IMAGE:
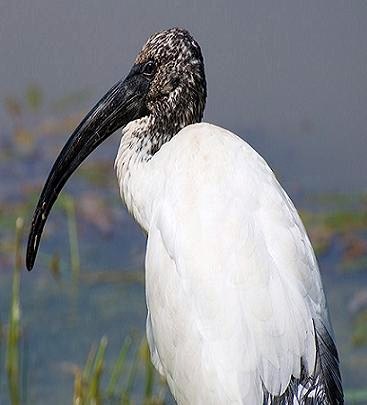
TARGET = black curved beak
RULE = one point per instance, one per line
(124, 102)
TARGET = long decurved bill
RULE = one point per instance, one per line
(123, 103)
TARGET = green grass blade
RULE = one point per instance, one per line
(1, 357)
(126, 393)
(118, 367)
(78, 398)
(149, 370)
(94, 392)
(69, 206)
(87, 371)
(25, 362)
(12, 352)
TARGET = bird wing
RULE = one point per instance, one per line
(235, 275)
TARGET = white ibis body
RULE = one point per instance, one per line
(236, 308)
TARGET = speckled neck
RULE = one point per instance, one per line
(142, 139)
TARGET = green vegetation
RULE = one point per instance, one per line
(359, 337)
(89, 389)
(13, 344)
(121, 379)
(336, 223)
(69, 206)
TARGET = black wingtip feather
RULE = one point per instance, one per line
(327, 365)
(323, 386)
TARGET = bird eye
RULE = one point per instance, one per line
(149, 68)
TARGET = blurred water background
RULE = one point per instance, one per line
(289, 77)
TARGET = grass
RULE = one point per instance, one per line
(118, 368)
(13, 361)
(88, 384)
(348, 225)
(97, 382)
(69, 206)
(130, 378)
(359, 336)
(94, 384)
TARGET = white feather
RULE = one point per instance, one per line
(232, 281)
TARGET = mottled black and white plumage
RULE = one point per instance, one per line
(177, 93)
(236, 308)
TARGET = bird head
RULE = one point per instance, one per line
(172, 61)
(166, 83)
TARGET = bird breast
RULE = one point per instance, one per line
(135, 171)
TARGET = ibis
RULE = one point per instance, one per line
(236, 311)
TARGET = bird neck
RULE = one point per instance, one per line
(151, 133)
(145, 136)
(139, 142)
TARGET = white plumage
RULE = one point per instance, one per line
(232, 282)
(236, 310)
